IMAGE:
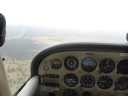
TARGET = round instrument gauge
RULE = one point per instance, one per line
(89, 64)
(122, 67)
(71, 80)
(71, 63)
(105, 82)
(121, 83)
(107, 65)
(87, 81)
(56, 64)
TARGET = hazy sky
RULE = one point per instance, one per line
(68, 14)
(78, 16)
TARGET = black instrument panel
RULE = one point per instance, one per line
(84, 72)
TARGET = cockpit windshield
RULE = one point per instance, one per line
(33, 25)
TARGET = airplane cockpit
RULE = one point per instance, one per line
(77, 69)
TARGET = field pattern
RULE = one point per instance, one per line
(17, 73)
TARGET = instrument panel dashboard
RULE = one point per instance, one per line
(85, 72)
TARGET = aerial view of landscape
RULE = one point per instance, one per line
(20, 48)
(23, 43)
(35, 25)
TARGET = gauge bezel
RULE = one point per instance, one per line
(102, 66)
(74, 76)
(122, 67)
(88, 77)
(106, 78)
(56, 66)
(67, 65)
(89, 68)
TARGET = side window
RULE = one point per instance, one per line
(18, 53)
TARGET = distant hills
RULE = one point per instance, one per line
(21, 48)
(20, 43)
(24, 42)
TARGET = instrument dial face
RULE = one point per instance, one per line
(87, 81)
(71, 80)
(122, 67)
(121, 83)
(71, 63)
(89, 64)
(105, 82)
(107, 65)
(56, 64)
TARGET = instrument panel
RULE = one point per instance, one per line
(84, 73)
